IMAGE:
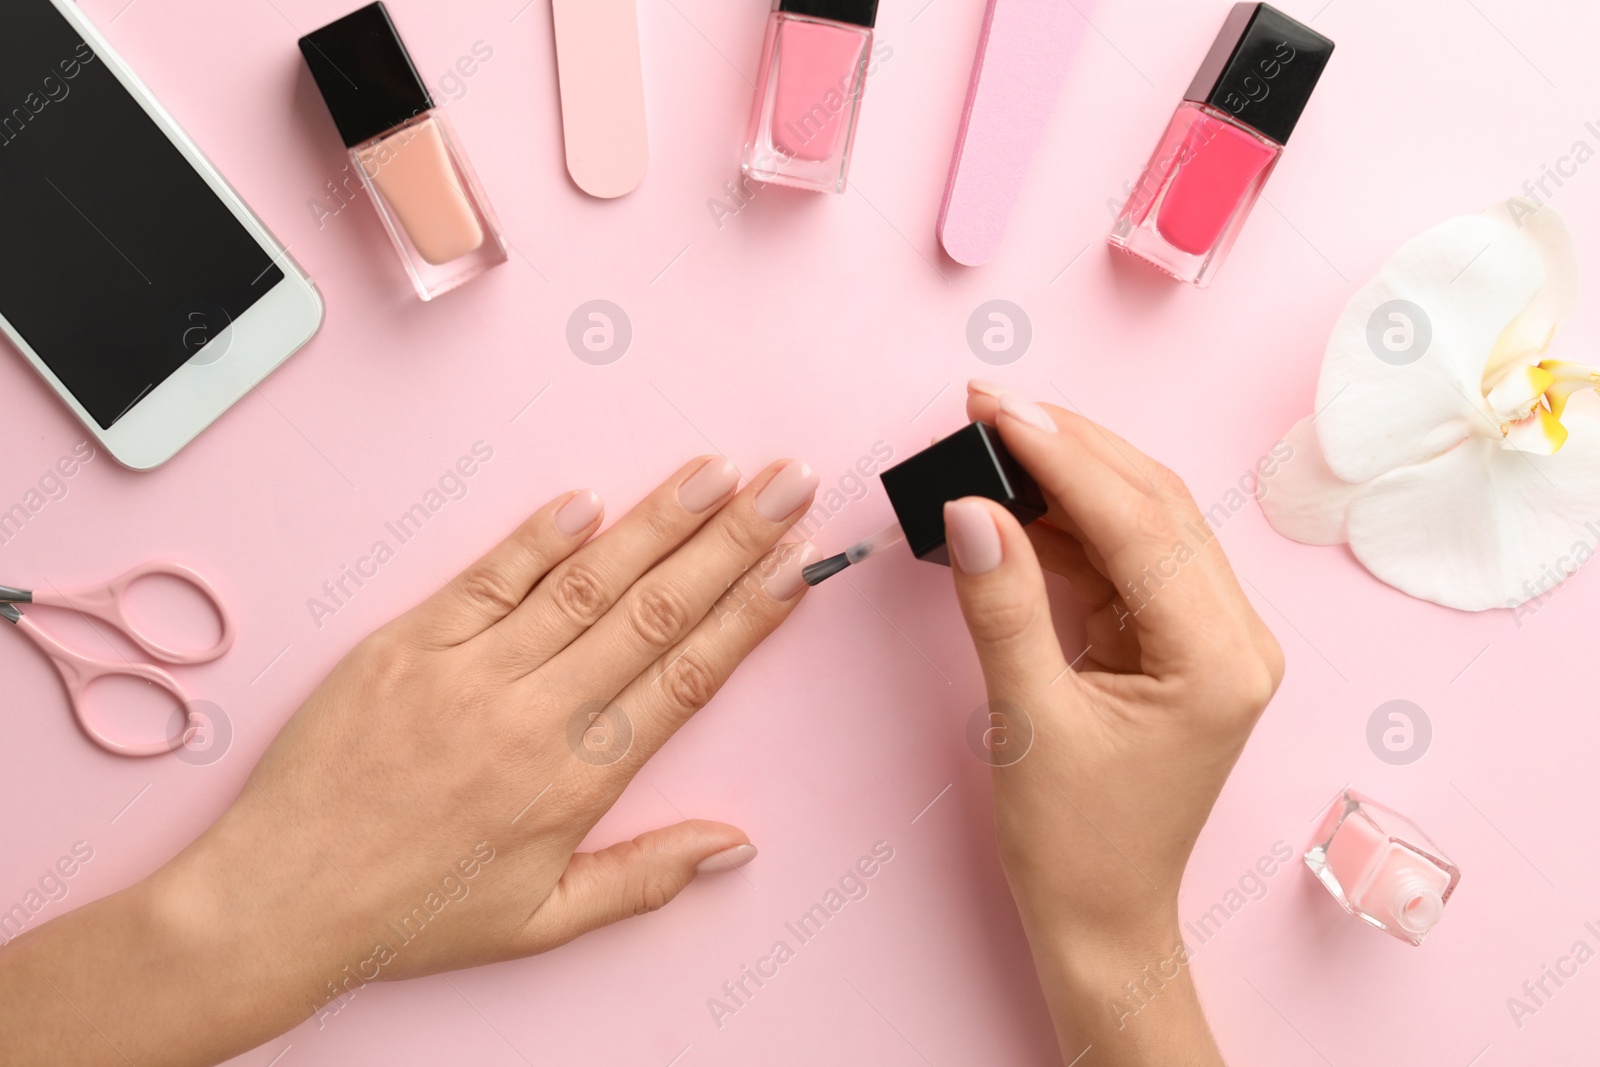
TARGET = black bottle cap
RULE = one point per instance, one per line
(859, 12)
(1262, 69)
(971, 462)
(365, 74)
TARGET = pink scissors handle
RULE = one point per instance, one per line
(108, 603)
(78, 672)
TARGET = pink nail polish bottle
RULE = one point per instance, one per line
(1222, 143)
(1381, 868)
(808, 93)
(409, 160)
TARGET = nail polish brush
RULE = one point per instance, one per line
(973, 461)
(822, 570)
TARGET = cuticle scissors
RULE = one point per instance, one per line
(107, 604)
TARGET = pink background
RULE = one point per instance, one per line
(816, 326)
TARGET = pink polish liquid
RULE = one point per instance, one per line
(1382, 868)
(415, 175)
(810, 58)
(1222, 144)
(1224, 170)
(813, 72)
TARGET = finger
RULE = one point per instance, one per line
(1002, 593)
(677, 594)
(983, 405)
(491, 588)
(577, 593)
(1164, 563)
(634, 877)
(1061, 553)
(684, 679)
(1140, 470)
(1113, 636)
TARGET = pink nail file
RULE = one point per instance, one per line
(602, 94)
(1023, 55)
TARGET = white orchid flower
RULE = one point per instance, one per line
(1456, 457)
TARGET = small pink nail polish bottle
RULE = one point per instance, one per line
(410, 162)
(1381, 868)
(808, 93)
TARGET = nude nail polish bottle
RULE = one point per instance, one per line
(1381, 868)
(808, 93)
(1222, 143)
(405, 150)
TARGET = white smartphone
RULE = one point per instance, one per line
(132, 277)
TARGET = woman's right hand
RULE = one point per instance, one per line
(1130, 742)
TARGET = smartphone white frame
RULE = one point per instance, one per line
(176, 411)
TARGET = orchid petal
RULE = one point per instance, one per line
(1454, 288)
(1531, 332)
(1304, 500)
(1482, 526)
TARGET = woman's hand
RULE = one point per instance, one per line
(1131, 741)
(420, 812)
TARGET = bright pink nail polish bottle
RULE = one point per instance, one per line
(1381, 868)
(1222, 143)
(808, 93)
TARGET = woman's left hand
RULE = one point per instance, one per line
(420, 812)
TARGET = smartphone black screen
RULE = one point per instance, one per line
(117, 261)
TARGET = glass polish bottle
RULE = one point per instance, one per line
(1223, 143)
(410, 161)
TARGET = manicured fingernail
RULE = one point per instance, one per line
(787, 579)
(1020, 407)
(708, 485)
(729, 859)
(986, 388)
(575, 515)
(974, 538)
(790, 488)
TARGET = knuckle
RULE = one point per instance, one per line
(742, 595)
(1001, 620)
(1257, 684)
(384, 657)
(658, 614)
(651, 894)
(660, 526)
(1170, 483)
(649, 888)
(689, 682)
(579, 594)
(1274, 663)
(488, 590)
(1249, 685)
(744, 540)
(1152, 520)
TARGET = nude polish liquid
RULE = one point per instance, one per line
(808, 93)
(410, 161)
(1222, 143)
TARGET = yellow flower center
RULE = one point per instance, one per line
(1530, 399)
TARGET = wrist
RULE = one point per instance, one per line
(1107, 956)
(1125, 991)
(256, 916)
